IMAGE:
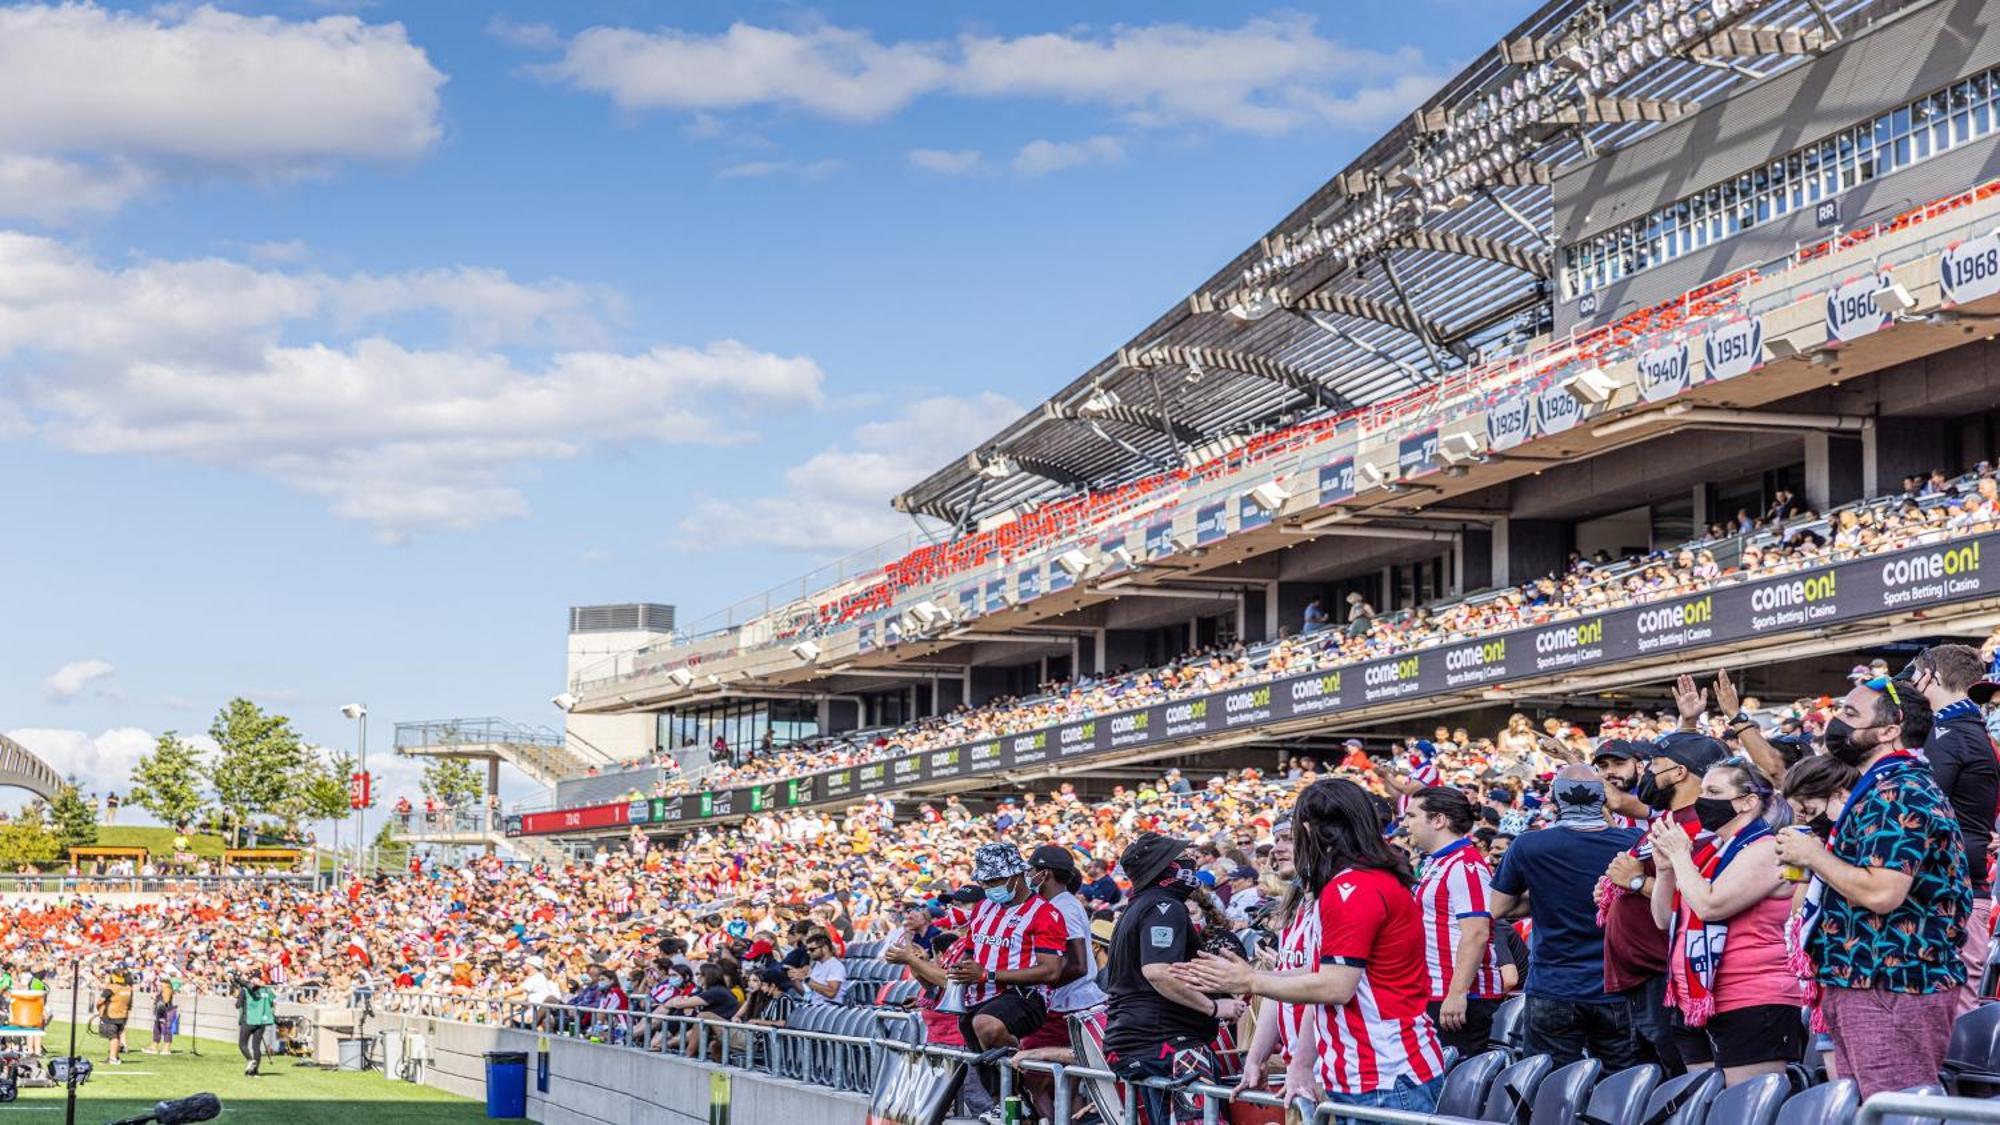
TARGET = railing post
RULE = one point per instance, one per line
(1060, 1110)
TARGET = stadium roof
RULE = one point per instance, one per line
(1344, 316)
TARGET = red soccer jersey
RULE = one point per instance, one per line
(1370, 921)
(1006, 938)
(1454, 887)
(1298, 949)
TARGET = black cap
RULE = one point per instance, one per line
(1054, 857)
(1982, 692)
(1149, 855)
(968, 894)
(1619, 748)
(1686, 748)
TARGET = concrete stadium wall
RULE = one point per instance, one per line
(595, 1084)
(208, 1017)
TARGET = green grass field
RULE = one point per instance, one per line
(288, 1092)
(159, 841)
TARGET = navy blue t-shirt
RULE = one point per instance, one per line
(1558, 869)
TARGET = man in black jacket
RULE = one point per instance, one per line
(1961, 757)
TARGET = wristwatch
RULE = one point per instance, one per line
(1636, 883)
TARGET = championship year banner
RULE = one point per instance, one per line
(1951, 571)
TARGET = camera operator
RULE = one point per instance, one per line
(114, 1010)
(256, 1013)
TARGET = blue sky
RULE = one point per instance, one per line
(343, 346)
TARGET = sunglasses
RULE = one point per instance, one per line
(1886, 685)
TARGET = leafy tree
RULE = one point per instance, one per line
(26, 840)
(75, 819)
(389, 853)
(324, 796)
(167, 782)
(452, 782)
(260, 765)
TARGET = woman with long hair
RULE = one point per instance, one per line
(1382, 1050)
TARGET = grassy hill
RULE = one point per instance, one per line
(158, 841)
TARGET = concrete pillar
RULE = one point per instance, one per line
(1819, 482)
(1701, 516)
(1097, 657)
(1271, 618)
(1241, 622)
(1498, 572)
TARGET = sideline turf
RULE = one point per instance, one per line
(288, 1092)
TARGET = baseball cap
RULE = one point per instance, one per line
(1695, 751)
(1619, 748)
(1858, 673)
(1243, 873)
(1053, 857)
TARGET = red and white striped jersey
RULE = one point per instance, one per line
(1454, 887)
(1006, 937)
(1370, 921)
(1298, 949)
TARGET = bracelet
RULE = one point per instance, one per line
(1214, 1009)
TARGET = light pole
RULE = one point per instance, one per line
(359, 713)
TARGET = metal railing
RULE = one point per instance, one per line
(853, 1064)
(148, 884)
(432, 734)
(452, 822)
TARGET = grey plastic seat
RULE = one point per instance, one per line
(1513, 1092)
(1508, 1020)
(1912, 1118)
(1831, 1103)
(1683, 1099)
(1754, 1101)
(1621, 1098)
(1465, 1085)
(1972, 1060)
(1562, 1094)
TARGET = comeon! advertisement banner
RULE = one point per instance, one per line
(1959, 570)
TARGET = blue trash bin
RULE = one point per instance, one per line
(506, 1084)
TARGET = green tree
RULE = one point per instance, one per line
(27, 841)
(452, 782)
(325, 796)
(388, 852)
(75, 819)
(260, 766)
(167, 782)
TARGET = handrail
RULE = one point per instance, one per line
(62, 883)
(852, 1063)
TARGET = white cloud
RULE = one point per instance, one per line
(1038, 158)
(763, 169)
(949, 162)
(838, 499)
(100, 763)
(280, 252)
(203, 361)
(103, 105)
(74, 678)
(51, 189)
(534, 36)
(1271, 75)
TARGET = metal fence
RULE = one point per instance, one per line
(851, 1063)
(147, 884)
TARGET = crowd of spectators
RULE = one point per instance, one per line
(1787, 536)
(1636, 853)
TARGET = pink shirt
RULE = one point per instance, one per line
(1753, 968)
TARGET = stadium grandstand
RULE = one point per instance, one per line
(1636, 298)
(1577, 510)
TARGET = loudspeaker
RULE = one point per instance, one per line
(806, 651)
(1591, 387)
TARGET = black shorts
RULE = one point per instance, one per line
(1764, 1033)
(113, 1028)
(1022, 1012)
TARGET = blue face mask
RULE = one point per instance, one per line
(1002, 893)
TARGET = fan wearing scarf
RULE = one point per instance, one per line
(1741, 1012)
(1887, 898)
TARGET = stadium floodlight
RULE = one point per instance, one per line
(930, 615)
(1778, 348)
(1185, 541)
(564, 702)
(1591, 387)
(682, 678)
(1073, 562)
(1270, 496)
(1254, 305)
(806, 651)
(355, 710)
(999, 466)
(1894, 299)
(1101, 401)
(1375, 474)
(1457, 449)
(1122, 555)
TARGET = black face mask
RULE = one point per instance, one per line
(1822, 826)
(1652, 792)
(1714, 812)
(1841, 744)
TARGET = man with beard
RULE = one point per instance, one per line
(1960, 754)
(1887, 897)
(1460, 967)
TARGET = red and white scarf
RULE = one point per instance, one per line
(1691, 978)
